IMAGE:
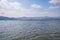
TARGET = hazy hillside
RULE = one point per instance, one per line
(6, 18)
(29, 18)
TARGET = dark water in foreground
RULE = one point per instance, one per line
(30, 30)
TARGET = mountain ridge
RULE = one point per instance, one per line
(29, 18)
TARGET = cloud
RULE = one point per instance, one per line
(53, 7)
(51, 14)
(15, 9)
(10, 9)
(15, 5)
(9, 5)
(35, 6)
(54, 1)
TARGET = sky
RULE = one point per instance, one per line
(30, 8)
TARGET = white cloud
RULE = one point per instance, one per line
(15, 5)
(35, 6)
(9, 5)
(53, 7)
(15, 9)
(51, 14)
(11, 9)
(54, 1)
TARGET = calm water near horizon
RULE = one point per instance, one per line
(30, 30)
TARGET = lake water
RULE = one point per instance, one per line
(30, 30)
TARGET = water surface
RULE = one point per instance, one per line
(30, 30)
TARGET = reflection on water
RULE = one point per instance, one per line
(30, 30)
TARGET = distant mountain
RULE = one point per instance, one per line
(30, 18)
(6, 18)
(38, 18)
